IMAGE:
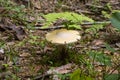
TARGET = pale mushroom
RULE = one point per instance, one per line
(62, 37)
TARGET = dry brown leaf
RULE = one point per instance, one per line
(62, 69)
(97, 42)
(25, 55)
(118, 45)
(17, 31)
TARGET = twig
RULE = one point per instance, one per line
(92, 23)
(49, 28)
(40, 77)
(61, 26)
(91, 5)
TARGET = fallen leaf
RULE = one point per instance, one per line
(62, 69)
(25, 55)
(97, 42)
(118, 45)
(17, 31)
(1, 51)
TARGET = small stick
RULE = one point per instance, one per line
(61, 26)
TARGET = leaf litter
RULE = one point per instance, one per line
(28, 61)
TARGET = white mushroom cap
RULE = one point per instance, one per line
(63, 36)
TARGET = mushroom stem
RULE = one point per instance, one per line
(63, 52)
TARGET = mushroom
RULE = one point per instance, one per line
(62, 37)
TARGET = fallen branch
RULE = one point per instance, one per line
(62, 26)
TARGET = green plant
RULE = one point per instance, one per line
(95, 28)
(115, 19)
(112, 77)
(73, 19)
(16, 13)
(13, 7)
(106, 14)
(109, 7)
(12, 77)
(33, 39)
(108, 47)
(5, 3)
(79, 75)
(63, 76)
(12, 63)
(2, 44)
(100, 57)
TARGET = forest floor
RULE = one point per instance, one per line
(26, 55)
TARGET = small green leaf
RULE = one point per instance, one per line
(75, 75)
(95, 28)
(115, 20)
(79, 75)
(112, 77)
(88, 78)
